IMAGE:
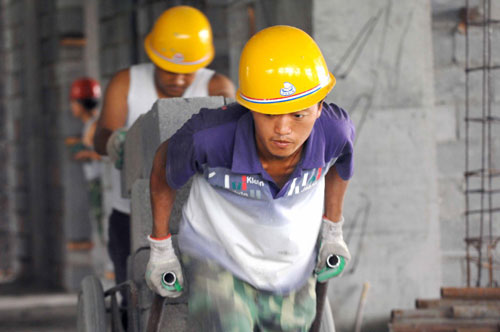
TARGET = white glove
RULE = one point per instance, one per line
(333, 252)
(115, 147)
(164, 272)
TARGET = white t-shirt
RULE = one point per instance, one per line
(141, 97)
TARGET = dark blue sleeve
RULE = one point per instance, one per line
(340, 140)
(184, 156)
(206, 138)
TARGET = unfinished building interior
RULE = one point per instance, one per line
(418, 78)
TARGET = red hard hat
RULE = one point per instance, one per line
(85, 88)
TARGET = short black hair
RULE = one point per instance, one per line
(88, 103)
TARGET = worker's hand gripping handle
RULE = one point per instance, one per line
(333, 253)
(164, 272)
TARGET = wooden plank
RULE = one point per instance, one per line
(73, 41)
(470, 293)
(442, 329)
(440, 312)
(436, 303)
(446, 324)
(476, 311)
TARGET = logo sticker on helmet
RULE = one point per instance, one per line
(287, 89)
(178, 58)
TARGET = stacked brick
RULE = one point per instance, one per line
(43, 197)
(12, 185)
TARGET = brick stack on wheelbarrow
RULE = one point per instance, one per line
(458, 310)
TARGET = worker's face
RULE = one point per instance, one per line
(280, 136)
(76, 108)
(171, 84)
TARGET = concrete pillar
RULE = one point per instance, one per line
(381, 54)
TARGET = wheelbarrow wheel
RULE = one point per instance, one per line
(91, 307)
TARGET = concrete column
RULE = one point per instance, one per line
(381, 54)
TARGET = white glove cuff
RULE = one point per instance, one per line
(160, 248)
(330, 228)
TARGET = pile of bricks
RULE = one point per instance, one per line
(458, 310)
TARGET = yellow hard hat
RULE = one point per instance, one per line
(181, 40)
(282, 71)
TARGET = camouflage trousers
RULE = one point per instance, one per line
(220, 302)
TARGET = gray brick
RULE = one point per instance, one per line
(144, 22)
(123, 56)
(132, 167)
(13, 84)
(165, 118)
(218, 18)
(142, 217)
(67, 71)
(115, 31)
(71, 53)
(47, 25)
(50, 51)
(70, 21)
(106, 59)
(67, 3)
(13, 63)
(14, 14)
(109, 8)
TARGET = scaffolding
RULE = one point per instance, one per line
(482, 179)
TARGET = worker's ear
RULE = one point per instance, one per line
(320, 108)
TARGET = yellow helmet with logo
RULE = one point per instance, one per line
(282, 71)
(181, 40)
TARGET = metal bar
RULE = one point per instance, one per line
(479, 24)
(482, 211)
(489, 67)
(155, 313)
(475, 239)
(480, 172)
(116, 322)
(129, 289)
(467, 231)
(490, 163)
(485, 119)
(483, 161)
(321, 291)
(477, 191)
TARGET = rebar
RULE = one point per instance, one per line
(486, 241)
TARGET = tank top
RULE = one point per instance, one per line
(141, 97)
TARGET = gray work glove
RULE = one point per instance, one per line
(115, 147)
(333, 253)
(164, 272)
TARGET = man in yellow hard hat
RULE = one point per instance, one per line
(180, 47)
(263, 221)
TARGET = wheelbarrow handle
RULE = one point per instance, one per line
(155, 313)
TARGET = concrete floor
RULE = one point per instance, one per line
(38, 313)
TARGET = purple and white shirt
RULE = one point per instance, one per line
(236, 214)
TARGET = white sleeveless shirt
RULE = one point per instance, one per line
(141, 97)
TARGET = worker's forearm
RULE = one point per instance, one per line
(335, 189)
(100, 139)
(162, 195)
